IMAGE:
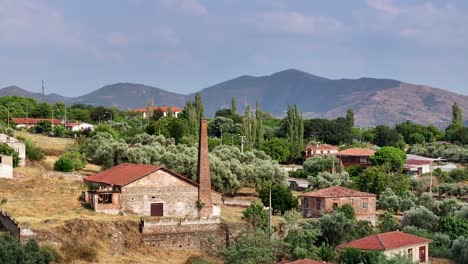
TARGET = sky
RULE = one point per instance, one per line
(186, 45)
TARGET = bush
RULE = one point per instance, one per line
(387, 222)
(314, 165)
(350, 256)
(388, 200)
(282, 199)
(348, 211)
(9, 151)
(63, 164)
(256, 215)
(326, 252)
(420, 217)
(43, 127)
(78, 159)
(79, 251)
(13, 252)
(59, 131)
(335, 227)
(453, 226)
(33, 151)
(251, 247)
(459, 250)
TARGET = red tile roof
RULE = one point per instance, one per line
(304, 261)
(336, 192)
(357, 152)
(386, 241)
(321, 146)
(418, 162)
(163, 108)
(33, 121)
(127, 173)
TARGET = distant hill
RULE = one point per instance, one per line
(374, 101)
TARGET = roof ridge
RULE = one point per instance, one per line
(380, 241)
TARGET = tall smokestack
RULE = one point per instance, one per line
(203, 172)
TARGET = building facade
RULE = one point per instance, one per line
(323, 201)
(165, 109)
(394, 243)
(30, 122)
(356, 157)
(17, 145)
(319, 150)
(6, 167)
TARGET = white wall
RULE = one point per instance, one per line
(404, 251)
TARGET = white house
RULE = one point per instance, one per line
(17, 145)
(75, 127)
(6, 167)
(165, 109)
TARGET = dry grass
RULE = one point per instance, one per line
(50, 145)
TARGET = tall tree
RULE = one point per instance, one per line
(295, 130)
(233, 106)
(350, 117)
(260, 133)
(199, 106)
(249, 128)
(190, 113)
(149, 109)
(457, 118)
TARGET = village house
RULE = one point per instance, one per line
(356, 157)
(150, 190)
(323, 201)
(394, 243)
(6, 167)
(77, 127)
(317, 149)
(30, 122)
(17, 145)
(165, 109)
(418, 167)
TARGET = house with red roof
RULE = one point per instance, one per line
(319, 150)
(418, 166)
(323, 201)
(356, 157)
(30, 122)
(150, 190)
(165, 109)
(394, 243)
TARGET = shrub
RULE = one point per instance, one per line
(350, 256)
(256, 215)
(79, 159)
(459, 250)
(388, 200)
(59, 131)
(43, 127)
(33, 151)
(63, 164)
(348, 211)
(420, 217)
(13, 252)
(387, 222)
(282, 199)
(251, 247)
(453, 226)
(75, 250)
(9, 151)
(326, 252)
(335, 227)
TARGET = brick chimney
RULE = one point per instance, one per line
(203, 172)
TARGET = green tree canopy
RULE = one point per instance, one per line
(394, 157)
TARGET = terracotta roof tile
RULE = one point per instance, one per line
(336, 192)
(33, 121)
(357, 152)
(386, 241)
(418, 162)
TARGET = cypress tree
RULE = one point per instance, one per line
(259, 126)
(233, 106)
(199, 106)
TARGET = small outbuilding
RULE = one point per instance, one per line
(394, 243)
(323, 201)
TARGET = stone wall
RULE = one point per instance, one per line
(10, 225)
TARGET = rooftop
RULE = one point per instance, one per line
(127, 173)
(322, 146)
(357, 152)
(336, 192)
(163, 108)
(412, 162)
(386, 241)
(33, 121)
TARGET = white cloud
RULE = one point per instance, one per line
(385, 6)
(189, 6)
(295, 22)
(33, 22)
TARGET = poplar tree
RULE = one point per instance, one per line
(350, 117)
(199, 106)
(295, 132)
(457, 118)
(190, 113)
(233, 106)
(249, 128)
(260, 134)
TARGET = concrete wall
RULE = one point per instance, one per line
(328, 204)
(179, 198)
(404, 251)
(6, 167)
(17, 145)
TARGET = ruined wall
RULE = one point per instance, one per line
(106, 208)
(9, 224)
(179, 198)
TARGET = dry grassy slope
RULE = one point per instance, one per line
(417, 103)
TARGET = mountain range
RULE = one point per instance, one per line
(374, 101)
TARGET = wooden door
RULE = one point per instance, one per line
(157, 209)
(422, 254)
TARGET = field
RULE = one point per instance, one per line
(47, 202)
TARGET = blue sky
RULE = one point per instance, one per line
(186, 45)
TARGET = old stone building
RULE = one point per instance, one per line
(323, 201)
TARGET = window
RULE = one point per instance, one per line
(306, 203)
(105, 198)
(410, 252)
(318, 204)
(365, 204)
(335, 205)
(363, 160)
